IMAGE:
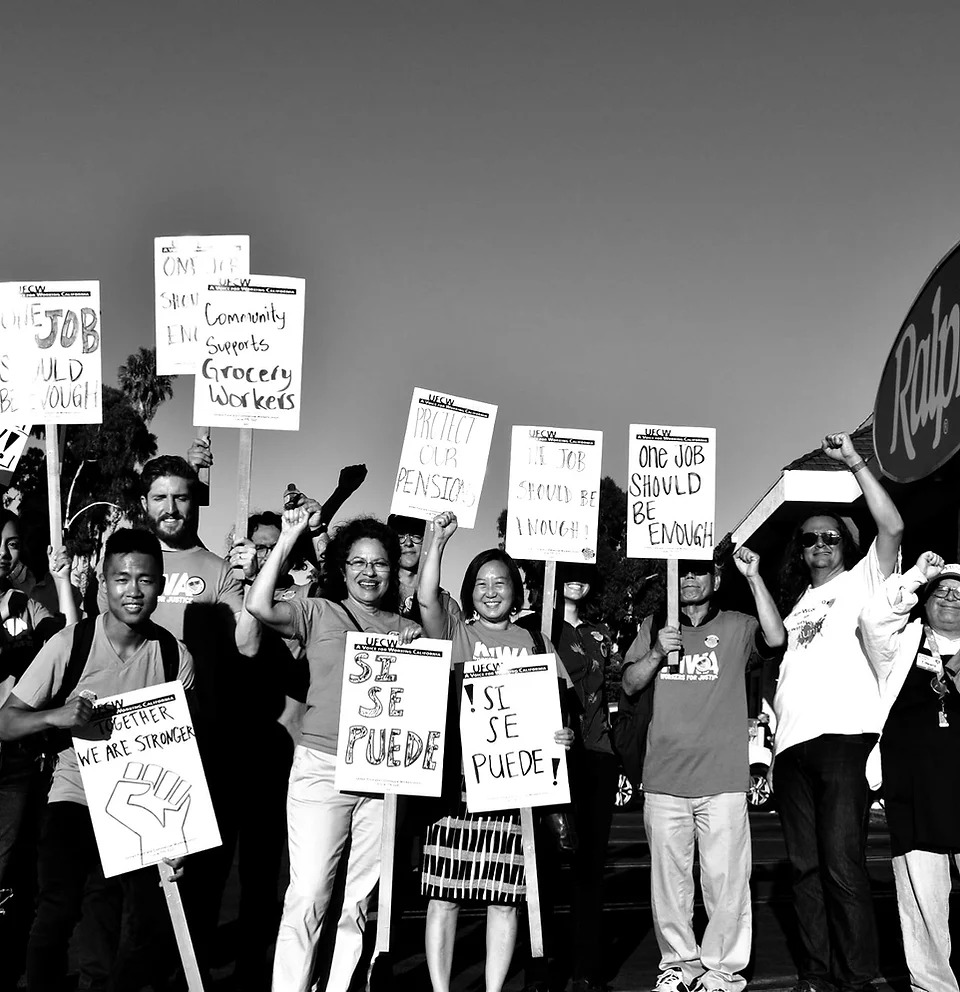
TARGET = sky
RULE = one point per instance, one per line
(591, 214)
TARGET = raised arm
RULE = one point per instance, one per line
(59, 564)
(885, 515)
(260, 598)
(771, 626)
(432, 614)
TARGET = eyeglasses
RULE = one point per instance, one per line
(362, 564)
(412, 538)
(945, 595)
(811, 538)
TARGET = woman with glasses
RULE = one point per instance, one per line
(828, 720)
(410, 532)
(911, 631)
(360, 595)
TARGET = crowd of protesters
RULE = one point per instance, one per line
(865, 654)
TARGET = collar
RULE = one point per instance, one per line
(712, 613)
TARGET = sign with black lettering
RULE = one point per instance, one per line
(144, 781)
(509, 714)
(50, 353)
(182, 268)
(13, 440)
(393, 709)
(444, 457)
(554, 494)
(671, 492)
(251, 345)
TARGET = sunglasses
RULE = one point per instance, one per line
(810, 538)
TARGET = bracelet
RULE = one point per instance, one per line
(857, 466)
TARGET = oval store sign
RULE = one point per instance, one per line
(916, 417)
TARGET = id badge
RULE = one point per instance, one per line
(943, 719)
(929, 664)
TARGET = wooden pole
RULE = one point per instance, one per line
(244, 472)
(204, 473)
(171, 891)
(388, 843)
(673, 606)
(52, 445)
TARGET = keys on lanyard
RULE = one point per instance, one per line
(938, 683)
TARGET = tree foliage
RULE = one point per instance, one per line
(141, 385)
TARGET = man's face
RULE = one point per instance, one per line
(698, 582)
(264, 539)
(132, 582)
(171, 511)
(943, 607)
(822, 554)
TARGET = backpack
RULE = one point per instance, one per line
(634, 714)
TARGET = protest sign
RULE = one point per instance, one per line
(393, 709)
(251, 343)
(13, 440)
(554, 494)
(143, 779)
(444, 457)
(671, 492)
(50, 353)
(183, 267)
(509, 713)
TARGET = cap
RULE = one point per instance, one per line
(948, 572)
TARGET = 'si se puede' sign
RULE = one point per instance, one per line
(183, 267)
(393, 709)
(671, 492)
(252, 351)
(554, 494)
(916, 416)
(444, 456)
(50, 353)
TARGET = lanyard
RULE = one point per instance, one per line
(938, 683)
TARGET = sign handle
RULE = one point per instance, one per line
(673, 606)
(52, 447)
(244, 472)
(180, 929)
(204, 472)
(388, 843)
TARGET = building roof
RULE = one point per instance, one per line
(817, 461)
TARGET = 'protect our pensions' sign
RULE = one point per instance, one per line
(444, 456)
(50, 353)
(554, 494)
(249, 374)
(509, 713)
(393, 709)
(183, 267)
(144, 781)
(671, 492)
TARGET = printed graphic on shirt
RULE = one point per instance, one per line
(805, 627)
(694, 668)
(498, 651)
(182, 587)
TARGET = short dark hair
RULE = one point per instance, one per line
(338, 550)
(8, 517)
(266, 519)
(168, 465)
(133, 541)
(401, 524)
(473, 570)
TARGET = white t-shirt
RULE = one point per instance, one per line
(826, 683)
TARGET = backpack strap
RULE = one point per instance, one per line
(83, 632)
(169, 653)
(540, 646)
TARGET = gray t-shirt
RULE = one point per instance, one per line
(697, 739)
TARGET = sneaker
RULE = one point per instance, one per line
(670, 981)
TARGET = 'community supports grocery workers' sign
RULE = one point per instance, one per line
(554, 493)
(393, 710)
(509, 713)
(249, 372)
(143, 780)
(444, 457)
(50, 352)
(671, 492)
(183, 267)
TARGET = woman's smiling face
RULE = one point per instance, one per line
(493, 592)
(367, 571)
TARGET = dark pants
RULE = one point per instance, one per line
(823, 800)
(68, 863)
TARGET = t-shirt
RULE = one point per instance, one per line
(585, 651)
(106, 674)
(826, 683)
(697, 738)
(321, 626)
(18, 645)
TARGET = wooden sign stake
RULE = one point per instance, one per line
(204, 473)
(52, 447)
(388, 843)
(171, 891)
(244, 472)
(673, 605)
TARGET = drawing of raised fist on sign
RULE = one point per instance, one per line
(152, 802)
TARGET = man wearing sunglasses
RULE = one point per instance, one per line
(828, 720)
(911, 631)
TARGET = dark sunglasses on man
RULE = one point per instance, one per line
(811, 538)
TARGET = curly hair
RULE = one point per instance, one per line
(473, 570)
(338, 551)
(794, 575)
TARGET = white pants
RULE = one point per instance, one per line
(320, 820)
(923, 899)
(719, 828)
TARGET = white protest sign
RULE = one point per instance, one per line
(671, 493)
(554, 494)
(444, 457)
(393, 712)
(50, 353)
(144, 781)
(509, 713)
(182, 268)
(251, 343)
(13, 440)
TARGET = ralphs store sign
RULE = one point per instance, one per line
(916, 425)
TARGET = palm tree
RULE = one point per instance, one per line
(143, 388)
